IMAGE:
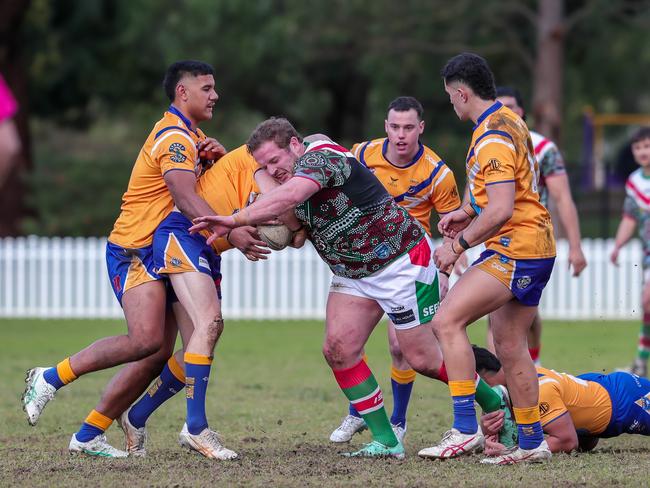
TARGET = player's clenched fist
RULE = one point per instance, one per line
(452, 223)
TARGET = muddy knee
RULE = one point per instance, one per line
(215, 328)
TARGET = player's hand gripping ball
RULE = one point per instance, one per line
(277, 236)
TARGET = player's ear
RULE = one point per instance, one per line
(421, 126)
(181, 92)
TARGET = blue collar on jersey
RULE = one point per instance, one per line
(493, 108)
(185, 120)
(415, 159)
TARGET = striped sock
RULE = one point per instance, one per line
(170, 382)
(360, 386)
(351, 410)
(197, 374)
(94, 425)
(60, 375)
(402, 384)
(528, 427)
(462, 395)
(643, 352)
(485, 396)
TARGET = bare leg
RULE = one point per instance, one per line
(144, 309)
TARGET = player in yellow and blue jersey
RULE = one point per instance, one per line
(576, 411)
(164, 175)
(508, 278)
(419, 180)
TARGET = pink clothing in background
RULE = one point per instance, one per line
(8, 105)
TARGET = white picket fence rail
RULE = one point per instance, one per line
(66, 277)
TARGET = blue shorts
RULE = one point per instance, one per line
(129, 267)
(630, 397)
(175, 250)
(525, 278)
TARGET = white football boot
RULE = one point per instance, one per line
(134, 438)
(38, 393)
(399, 431)
(206, 443)
(517, 455)
(97, 446)
(454, 444)
(350, 426)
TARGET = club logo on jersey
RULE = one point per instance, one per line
(644, 403)
(382, 251)
(393, 181)
(176, 262)
(505, 241)
(177, 149)
(544, 407)
(523, 282)
(494, 167)
(117, 284)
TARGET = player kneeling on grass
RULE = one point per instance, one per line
(379, 254)
(576, 411)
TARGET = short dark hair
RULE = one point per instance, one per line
(404, 104)
(641, 134)
(472, 70)
(511, 91)
(485, 360)
(181, 68)
(276, 129)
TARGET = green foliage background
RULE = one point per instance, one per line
(330, 66)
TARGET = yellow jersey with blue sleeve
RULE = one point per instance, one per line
(229, 186)
(171, 146)
(501, 151)
(588, 402)
(424, 185)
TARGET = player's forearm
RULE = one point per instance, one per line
(625, 232)
(556, 444)
(486, 225)
(274, 206)
(569, 219)
(266, 183)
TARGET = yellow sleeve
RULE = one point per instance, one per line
(356, 149)
(444, 197)
(551, 405)
(496, 156)
(175, 151)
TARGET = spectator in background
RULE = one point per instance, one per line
(9, 140)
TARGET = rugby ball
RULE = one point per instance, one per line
(277, 236)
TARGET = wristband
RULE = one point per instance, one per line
(444, 273)
(463, 243)
(469, 210)
(228, 237)
(452, 248)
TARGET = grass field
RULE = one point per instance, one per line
(274, 400)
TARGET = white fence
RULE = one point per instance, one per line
(66, 277)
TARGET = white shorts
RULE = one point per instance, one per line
(408, 289)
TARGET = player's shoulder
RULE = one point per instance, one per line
(541, 144)
(503, 123)
(636, 176)
(431, 158)
(368, 150)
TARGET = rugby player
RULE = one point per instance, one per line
(163, 176)
(636, 212)
(576, 411)
(418, 179)
(553, 183)
(508, 278)
(379, 255)
(227, 187)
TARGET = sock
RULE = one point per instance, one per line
(534, 353)
(60, 375)
(643, 351)
(351, 410)
(402, 384)
(528, 427)
(170, 382)
(462, 395)
(485, 396)
(360, 386)
(197, 373)
(94, 425)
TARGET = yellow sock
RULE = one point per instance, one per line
(64, 370)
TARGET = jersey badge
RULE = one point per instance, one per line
(177, 152)
(382, 251)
